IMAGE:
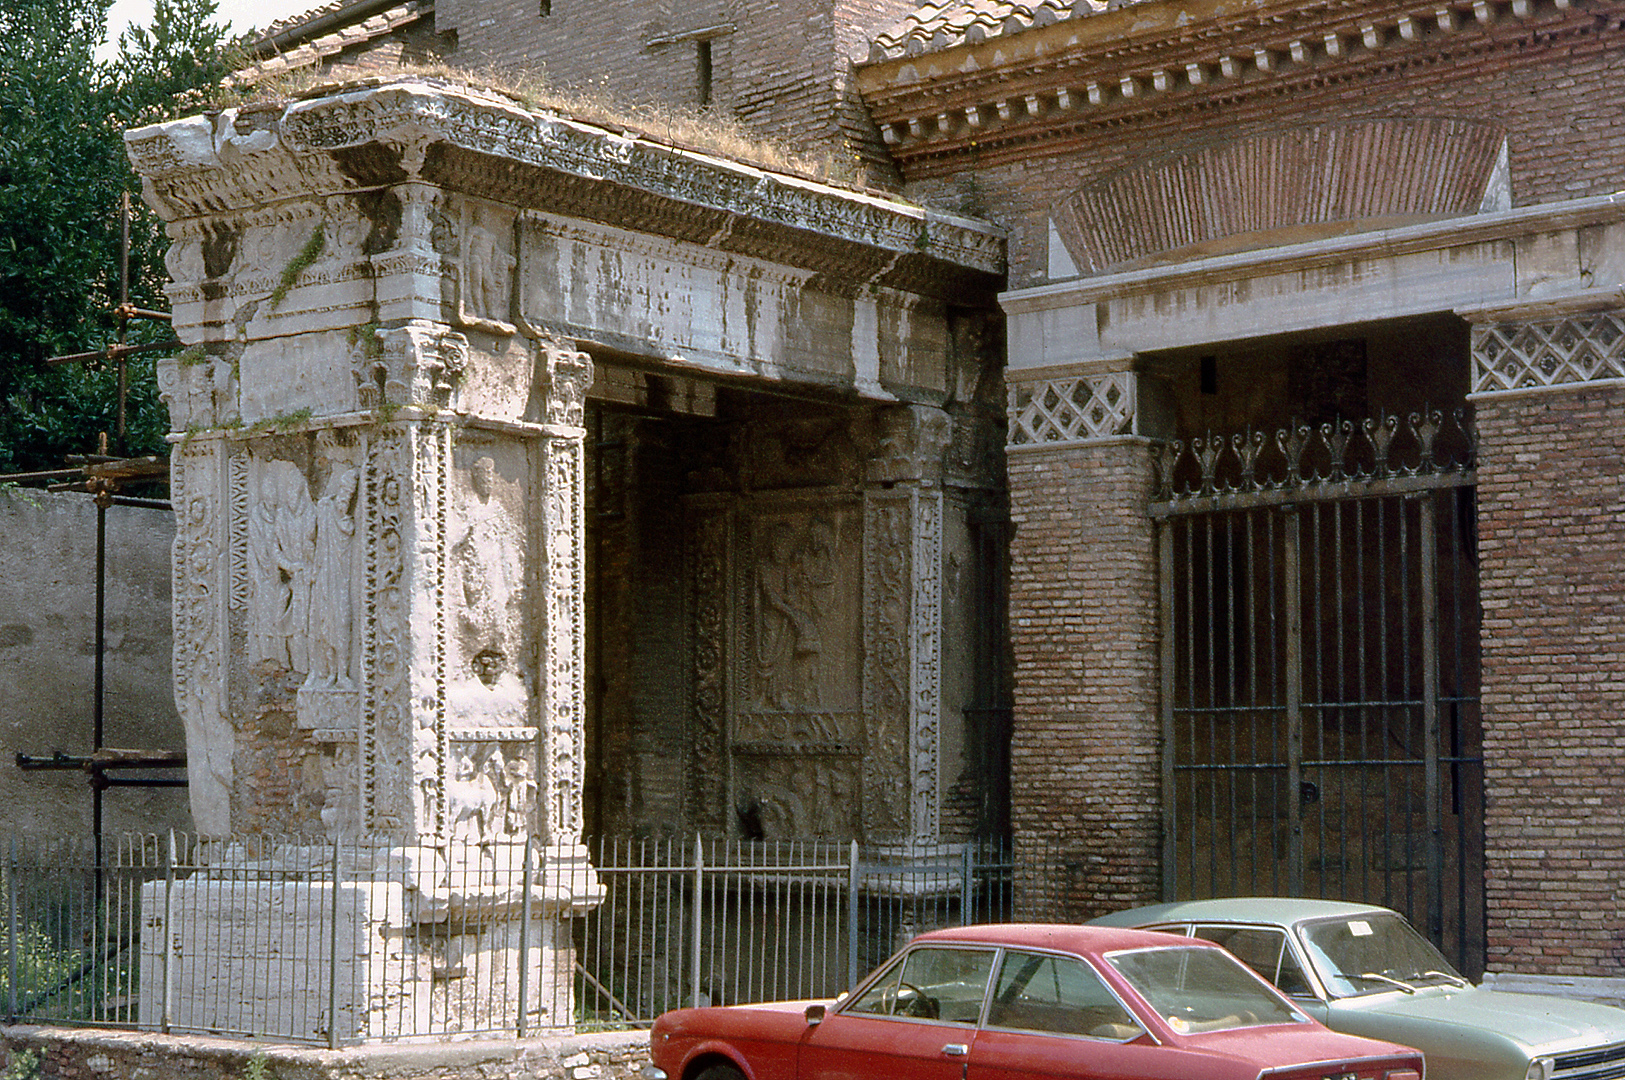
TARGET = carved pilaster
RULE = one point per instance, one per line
(709, 597)
(567, 374)
(201, 590)
(403, 682)
(903, 560)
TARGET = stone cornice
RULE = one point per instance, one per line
(1048, 83)
(383, 132)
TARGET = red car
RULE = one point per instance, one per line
(1030, 1002)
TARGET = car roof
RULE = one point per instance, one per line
(1066, 937)
(1269, 910)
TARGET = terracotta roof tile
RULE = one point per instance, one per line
(942, 24)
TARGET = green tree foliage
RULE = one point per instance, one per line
(62, 171)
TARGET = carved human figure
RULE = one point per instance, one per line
(330, 613)
(295, 556)
(487, 272)
(519, 796)
(489, 573)
(269, 589)
(792, 583)
(471, 799)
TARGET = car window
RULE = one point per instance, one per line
(1375, 952)
(931, 984)
(1201, 989)
(1263, 949)
(1039, 992)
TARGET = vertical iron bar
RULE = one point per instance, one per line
(1294, 704)
(1170, 819)
(1428, 542)
(699, 889)
(333, 957)
(967, 869)
(852, 916)
(166, 945)
(524, 939)
(1212, 714)
(1229, 703)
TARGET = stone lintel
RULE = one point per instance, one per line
(1570, 253)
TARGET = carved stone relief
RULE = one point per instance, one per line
(709, 529)
(485, 267)
(887, 566)
(489, 660)
(796, 726)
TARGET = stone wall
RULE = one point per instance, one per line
(119, 1055)
(1551, 523)
(48, 660)
(1085, 758)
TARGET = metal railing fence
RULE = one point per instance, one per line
(338, 942)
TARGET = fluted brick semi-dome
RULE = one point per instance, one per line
(937, 26)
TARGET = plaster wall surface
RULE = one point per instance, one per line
(48, 657)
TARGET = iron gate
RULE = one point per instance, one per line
(1320, 670)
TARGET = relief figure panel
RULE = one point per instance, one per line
(796, 730)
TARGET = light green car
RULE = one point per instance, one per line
(1364, 970)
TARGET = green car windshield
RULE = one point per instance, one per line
(1374, 953)
(1198, 990)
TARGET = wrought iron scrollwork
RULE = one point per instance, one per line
(1425, 443)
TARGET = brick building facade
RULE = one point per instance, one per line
(1236, 221)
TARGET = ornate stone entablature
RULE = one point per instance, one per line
(1076, 66)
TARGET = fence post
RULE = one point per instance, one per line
(967, 886)
(524, 939)
(11, 935)
(167, 945)
(333, 957)
(852, 917)
(699, 888)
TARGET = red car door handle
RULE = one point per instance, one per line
(955, 1050)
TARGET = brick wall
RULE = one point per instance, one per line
(780, 67)
(1085, 751)
(1551, 493)
(1544, 88)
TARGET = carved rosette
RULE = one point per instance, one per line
(568, 374)
(708, 591)
(201, 639)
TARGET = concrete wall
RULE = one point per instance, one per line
(48, 658)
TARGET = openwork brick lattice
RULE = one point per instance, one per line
(1071, 410)
(1525, 356)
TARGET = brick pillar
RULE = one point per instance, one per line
(1085, 749)
(1550, 401)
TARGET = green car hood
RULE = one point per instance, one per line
(1480, 1034)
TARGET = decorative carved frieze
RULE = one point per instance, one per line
(1572, 350)
(1071, 409)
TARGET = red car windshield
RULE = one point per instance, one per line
(1197, 990)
